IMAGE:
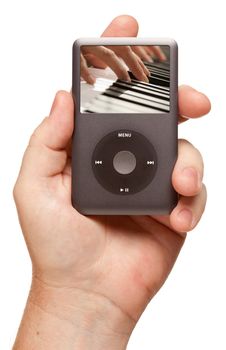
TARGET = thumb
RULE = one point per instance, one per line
(46, 153)
(123, 25)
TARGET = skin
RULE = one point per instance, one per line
(103, 56)
(110, 56)
(143, 53)
(93, 276)
(146, 53)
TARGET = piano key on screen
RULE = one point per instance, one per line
(144, 97)
(137, 100)
(144, 90)
(108, 104)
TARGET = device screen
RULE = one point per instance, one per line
(124, 79)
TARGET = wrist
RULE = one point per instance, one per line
(81, 319)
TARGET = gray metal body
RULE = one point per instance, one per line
(88, 196)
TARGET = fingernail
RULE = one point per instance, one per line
(145, 78)
(185, 218)
(148, 73)
(193, 175)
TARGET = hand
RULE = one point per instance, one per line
(108, 266)
(147, 53)
(109, 56)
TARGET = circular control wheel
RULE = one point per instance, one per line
(124, 162)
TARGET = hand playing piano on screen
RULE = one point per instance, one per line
(150, 53)
(119, 59)
(93, 276)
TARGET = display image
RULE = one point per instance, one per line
(124, 79)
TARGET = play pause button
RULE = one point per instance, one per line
(126, 189)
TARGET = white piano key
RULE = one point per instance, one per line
(137, 100)
(107, 104)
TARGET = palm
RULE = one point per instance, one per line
(104, 252)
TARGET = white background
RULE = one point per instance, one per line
(35, 54)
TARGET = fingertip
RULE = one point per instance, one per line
(181, 220)
(61, 97)
(63, 101)
(126, 76)
(145, 78)
(62, 94)
(187, 181)
(188, 212)
(192, 103)
(90, 79)
(122, 25)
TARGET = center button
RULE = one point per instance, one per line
(124, 162)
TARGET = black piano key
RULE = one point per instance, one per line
(149, 85)
(158, 70)
(124, 93)
(137, 100)
(162, 65)
(142, 91)
(154, 79)
(157, 80)
(140, 88)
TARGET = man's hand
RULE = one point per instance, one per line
(93, 276)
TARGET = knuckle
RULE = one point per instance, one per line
(109, 53)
